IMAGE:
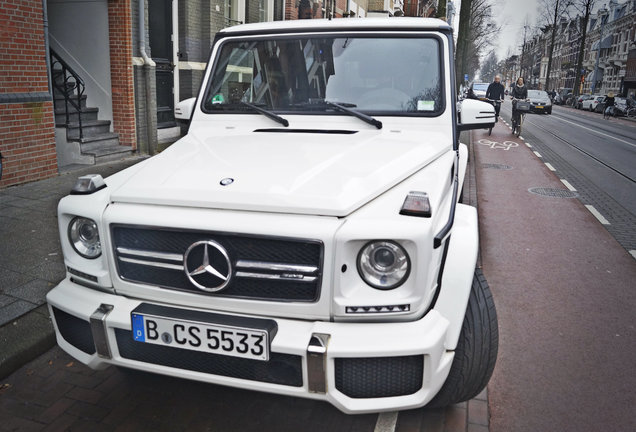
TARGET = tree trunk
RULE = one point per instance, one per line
(579, 63)
(462, 42)
(441, 10)
(554, 27)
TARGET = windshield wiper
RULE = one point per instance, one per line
(342, 107)
(266, 113)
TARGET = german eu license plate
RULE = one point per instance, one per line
(201, 336)
(539, 106)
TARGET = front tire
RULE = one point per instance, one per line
(477, 348)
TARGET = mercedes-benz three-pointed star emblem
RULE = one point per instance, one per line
(208, 269)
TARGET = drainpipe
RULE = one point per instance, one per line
(148, 65)
(47, 55)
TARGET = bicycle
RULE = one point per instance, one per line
(609, 112)
(497, 105)
(520, 107)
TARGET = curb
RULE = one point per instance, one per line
(25, 339)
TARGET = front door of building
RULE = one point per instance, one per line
(160, 29)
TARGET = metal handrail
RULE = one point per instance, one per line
(72, 87)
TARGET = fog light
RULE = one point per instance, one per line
(84, 236)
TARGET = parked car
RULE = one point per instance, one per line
(540, 101)
(591, 103)
(622, 105)
(480, 89)
(292, 242)
(579, 101)
(563, 95)
(600, 106)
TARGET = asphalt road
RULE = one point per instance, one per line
(596, 157)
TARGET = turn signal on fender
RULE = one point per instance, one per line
(416, 204)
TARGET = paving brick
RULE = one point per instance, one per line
(56, 410)
(455, 419)
(478, 412)
(87, 411)
(86, 395)
(61, 424)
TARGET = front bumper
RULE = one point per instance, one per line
(403, 365)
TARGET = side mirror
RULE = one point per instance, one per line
(474, 114)
(183, 110)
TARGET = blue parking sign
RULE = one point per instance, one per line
(465, 77)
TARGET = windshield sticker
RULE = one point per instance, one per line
(218, 99)
(425, 105)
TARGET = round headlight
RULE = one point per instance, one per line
(383, 264)
(84, 236)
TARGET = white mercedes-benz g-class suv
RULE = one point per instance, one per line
(305, 237)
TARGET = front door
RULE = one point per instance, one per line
(160, 29)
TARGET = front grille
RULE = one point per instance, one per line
(75, 331)
(261, 267)
(284, 369)
(376, 377)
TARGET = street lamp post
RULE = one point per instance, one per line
(601, 13)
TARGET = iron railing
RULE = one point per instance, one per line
(69, 84)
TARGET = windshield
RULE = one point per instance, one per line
(537, 94)
(391, 75)
(480, 87)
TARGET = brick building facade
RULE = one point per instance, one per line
(27, 138)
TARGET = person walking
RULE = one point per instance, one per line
(496, 93)
(609, 105)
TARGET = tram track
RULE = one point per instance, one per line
(583, 151)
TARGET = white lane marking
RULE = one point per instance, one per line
(538, 154)
(386, 422)
(568, 185)
(550, 167)
(521, 138)
(633, 252)
(528, 144)
(597, 215)
(597, 132)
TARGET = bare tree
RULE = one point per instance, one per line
(490, 67)
(477, 29)
(551, 13)
(463, 40)
(584, 7)
(441, 10)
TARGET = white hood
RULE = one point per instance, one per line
(303, 173)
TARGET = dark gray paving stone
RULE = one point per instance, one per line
(33, 292)
(15, 310)
(52, 271)
(10, 279)
(6, 300)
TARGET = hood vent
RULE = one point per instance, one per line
(309, 131)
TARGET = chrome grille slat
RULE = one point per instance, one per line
(260, 265)
(274, 276)
(152, 263)
(151, 254)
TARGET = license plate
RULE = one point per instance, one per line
(539, 106)
(201, 336)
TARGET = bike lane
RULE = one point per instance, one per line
(565, 296)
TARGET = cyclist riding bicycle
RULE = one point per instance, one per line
(519, 91)
(609, 105)
(496, 92)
